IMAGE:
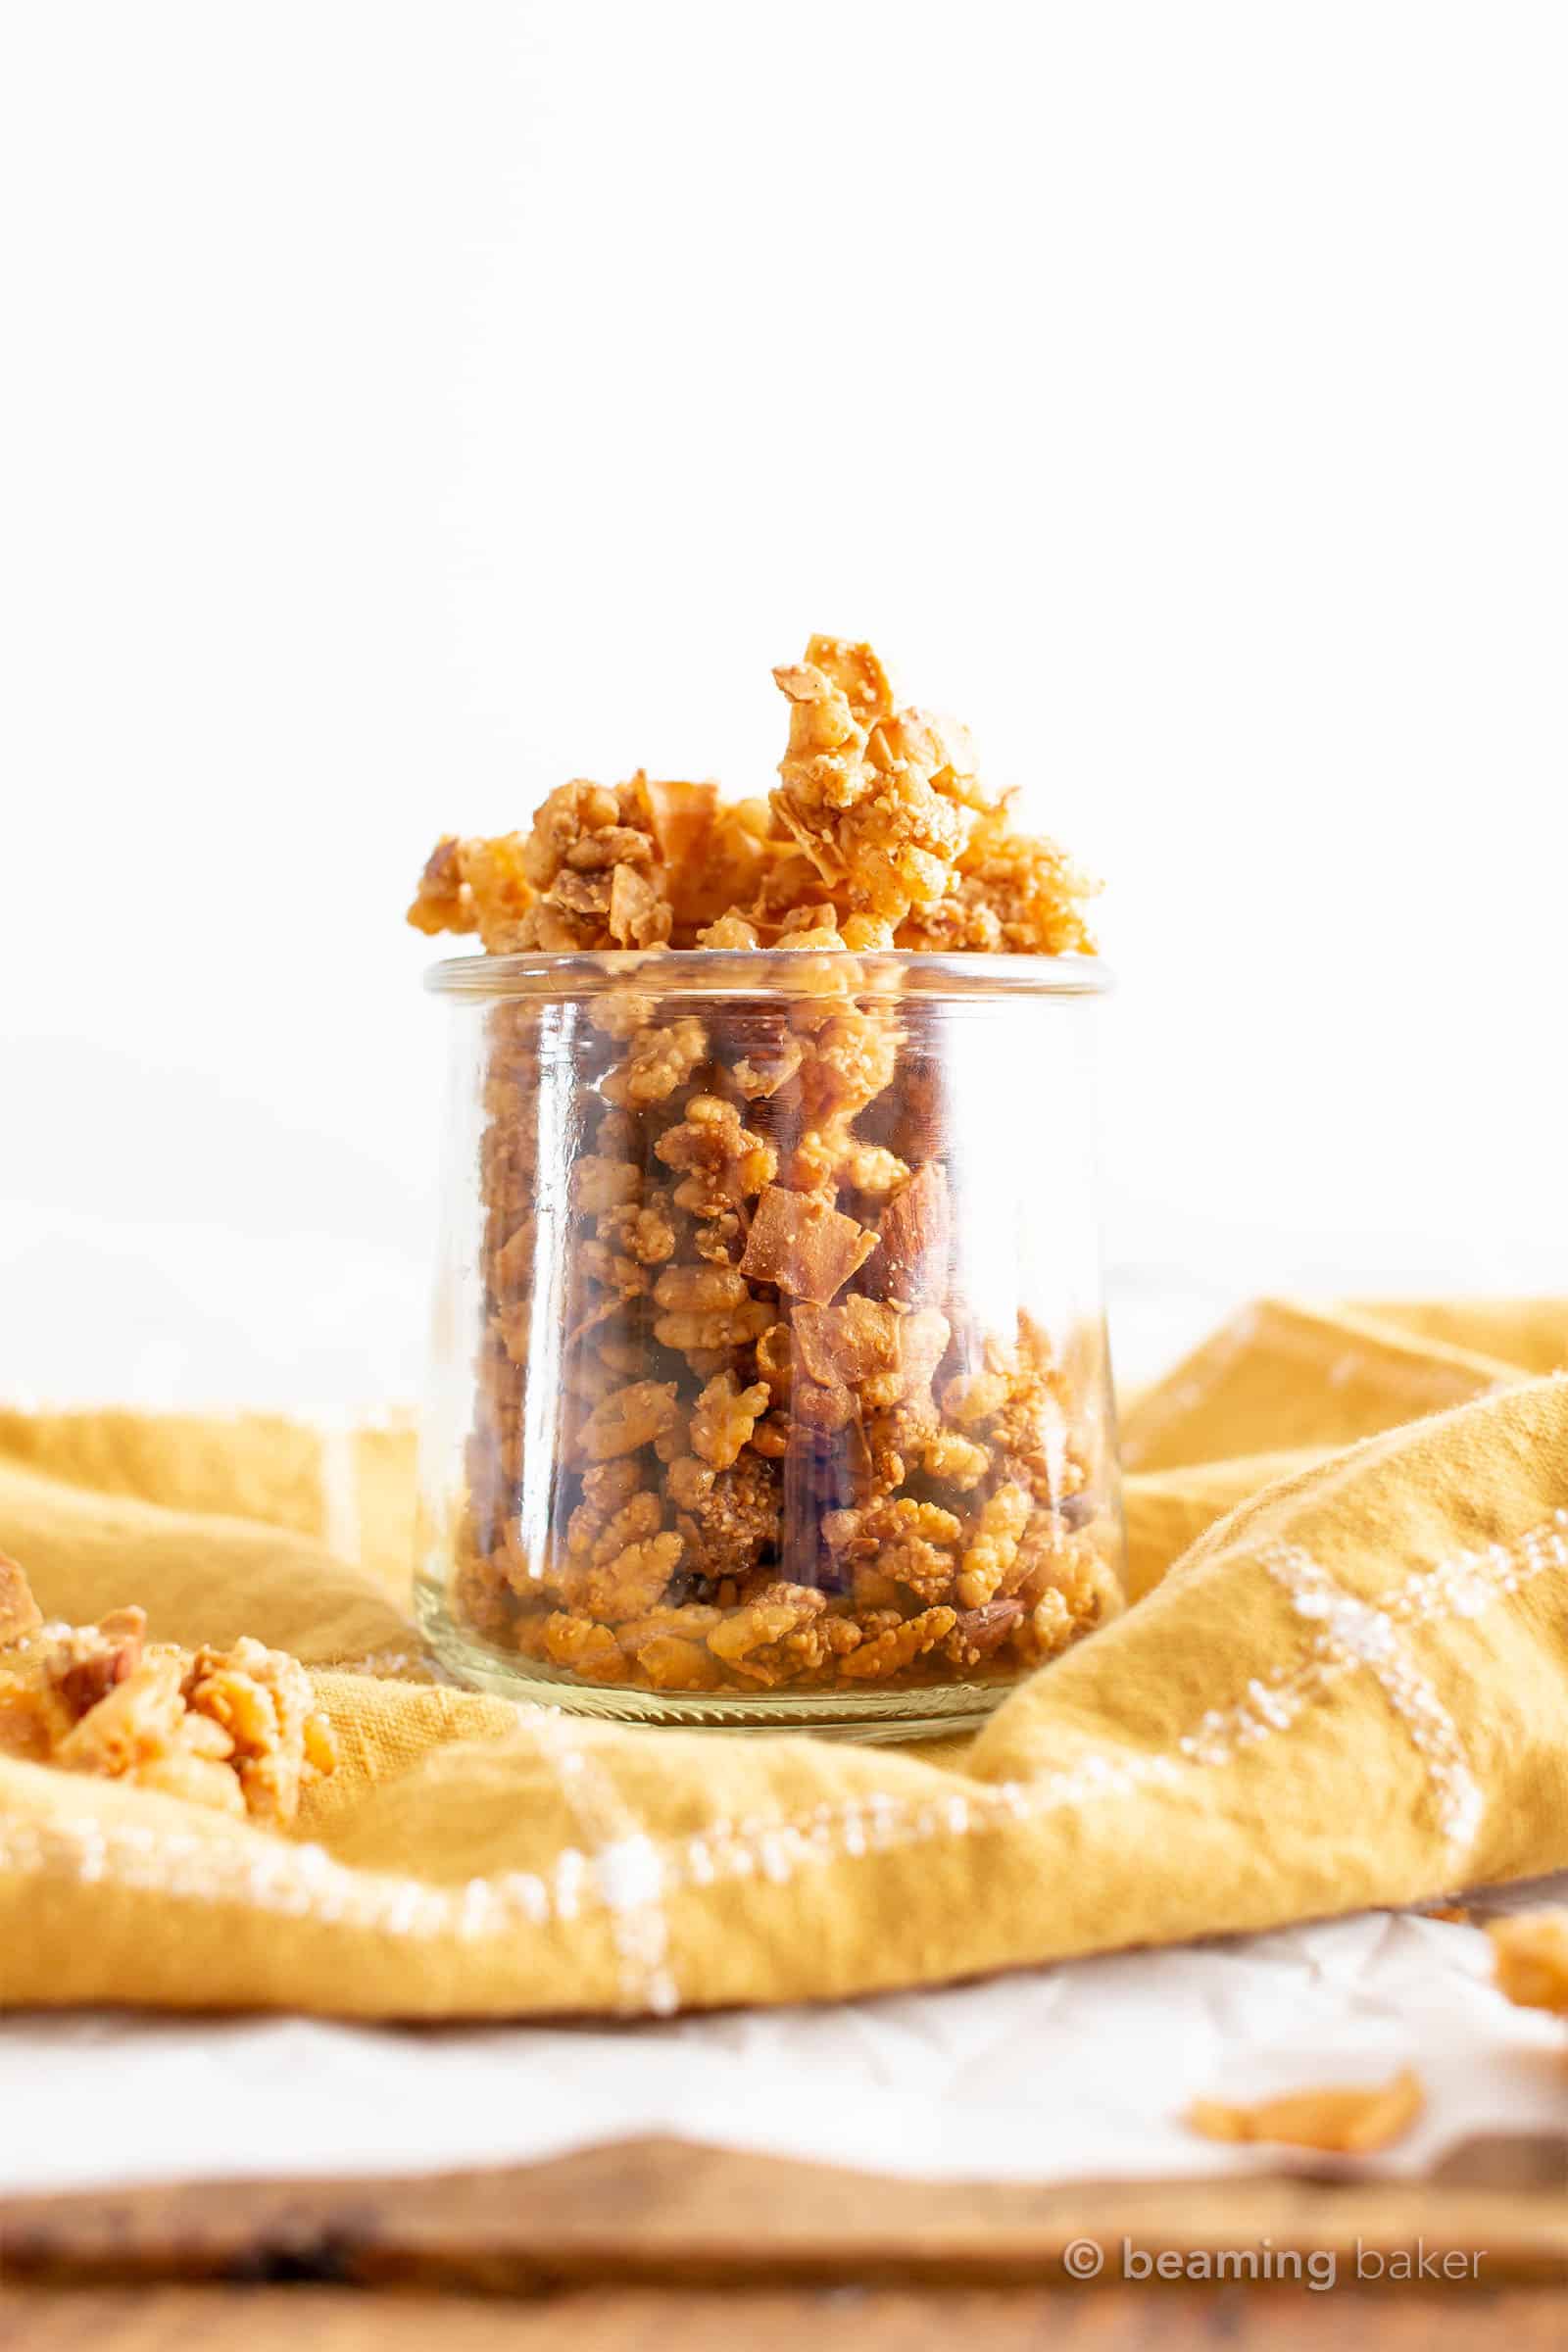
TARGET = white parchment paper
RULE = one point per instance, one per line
(1076, 2071)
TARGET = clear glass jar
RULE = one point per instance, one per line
(770, 1384)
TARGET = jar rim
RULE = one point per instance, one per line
(767, 971)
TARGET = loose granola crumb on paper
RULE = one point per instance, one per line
(1339, 2121)
(1530, 1959)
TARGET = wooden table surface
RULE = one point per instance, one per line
(238, 2319)
(656, 2243)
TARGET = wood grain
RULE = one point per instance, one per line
(665, 2212)
(779, 2320)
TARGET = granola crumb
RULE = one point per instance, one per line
(1339, 2121)
(1530, 1959)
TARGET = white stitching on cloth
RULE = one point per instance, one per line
(386, 1665)
(275, 1875)
(624, 1868)
(1358, 1635)
(305, 1882)
(1463, 1586)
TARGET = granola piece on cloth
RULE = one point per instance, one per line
(19, 1611)
(237, 1731)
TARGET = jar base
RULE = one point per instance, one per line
(934, 1711)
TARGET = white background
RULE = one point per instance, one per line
(409, 406)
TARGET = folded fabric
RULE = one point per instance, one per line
(1343, 1682)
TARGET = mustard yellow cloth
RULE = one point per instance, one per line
(1343, 1682)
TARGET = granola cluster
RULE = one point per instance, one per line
(783, 1453)
(879, 834)
(235, 1730)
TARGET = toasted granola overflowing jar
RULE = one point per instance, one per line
(771, 1387)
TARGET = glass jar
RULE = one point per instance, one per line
(770, 1381)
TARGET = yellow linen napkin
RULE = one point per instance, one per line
(1344, 1682)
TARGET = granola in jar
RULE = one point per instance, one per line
(744, 1417)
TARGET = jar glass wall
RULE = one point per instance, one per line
(770, 1385)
